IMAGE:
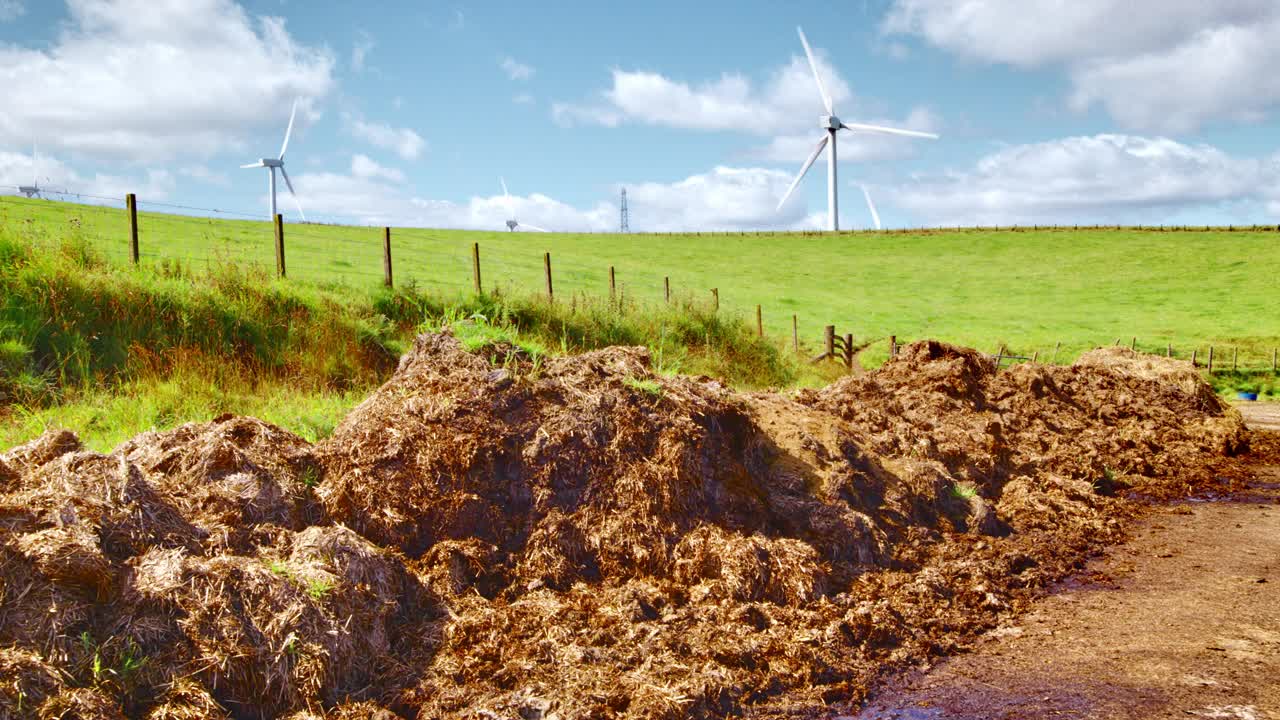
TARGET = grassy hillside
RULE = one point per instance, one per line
(110, 350)
(1026, 289)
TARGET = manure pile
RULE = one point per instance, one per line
(579, 539)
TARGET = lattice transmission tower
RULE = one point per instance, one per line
(626, 214)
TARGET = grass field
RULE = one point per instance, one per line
(1026, 289)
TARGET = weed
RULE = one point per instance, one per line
(649, 387)
(964, 491)
(317, 588)
(310, 476)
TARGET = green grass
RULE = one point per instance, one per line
(1028, 289)
(203, 326)
(110, 350)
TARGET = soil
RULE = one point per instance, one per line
(490, 536)
(1183, 620)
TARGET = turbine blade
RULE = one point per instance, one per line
(871, 206)
(887, 130)
(505, 194)
(532, 227)
(289, 132)
(293, 194)
(813, 65)
(254, 165)
(804, 169)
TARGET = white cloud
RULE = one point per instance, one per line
(57, 178)
(785, 108)
(406, 143)
(722, 199)
(1169, 68)
(360, 50)
(523, 99)
(1085, 180)
(11, 10)
(150, 80)
(203, 173)
(732, 102)
(366, 169)
(516, 70)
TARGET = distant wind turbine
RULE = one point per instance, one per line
(271, 164)
(875, 216)
(831, 125)
(33, 190)
(512, 224)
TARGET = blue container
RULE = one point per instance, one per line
(1250, 396)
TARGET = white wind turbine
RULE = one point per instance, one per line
(271, 164)
(33, 190)
(512, 224)
(875, 216)
(831, 125)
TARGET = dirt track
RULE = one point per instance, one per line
(1181, 621)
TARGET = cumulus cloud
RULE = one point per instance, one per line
(150, 80)
(1089, 179)
(722, 199)
(516, 70)
(364, 168)
(1169, 69)
(784, 107)
(61, 181)
(406, 143)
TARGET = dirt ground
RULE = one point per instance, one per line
(1181, 621)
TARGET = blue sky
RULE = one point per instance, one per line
(1093, 111)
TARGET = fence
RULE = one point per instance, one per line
(426, 258)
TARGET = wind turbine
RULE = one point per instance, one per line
(271, 164)
(512, 224)
(875, 216)
(831, 125)
(32, 190)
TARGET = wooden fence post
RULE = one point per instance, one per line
(1168, 350)
(280, 269)
(475, 268)
(546, 267)
(1233, 358)
(1273, 360)
(1210, 359)
(386, 257)
(795, 333)
(999, 358)
(893, 346)
(131, 201)
(613, 285)
(759, 322)
(1133, 344)
(715, 298)
(829, 339)
(848, 351)
(1194, 353)
(666, 288)
(1056, 348)
(1035, 356)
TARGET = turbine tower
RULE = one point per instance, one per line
(271, 164)
(32, 190)
(512, 224)
(831, 125)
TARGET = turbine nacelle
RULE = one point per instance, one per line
(272, 162)
(830, 122)
(29, 190)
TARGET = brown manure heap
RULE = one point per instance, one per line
(488, 537)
